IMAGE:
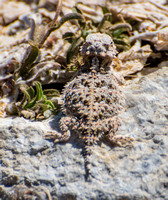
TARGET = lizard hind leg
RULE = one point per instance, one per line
(120, 140)
(116, 140)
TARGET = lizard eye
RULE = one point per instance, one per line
(106, 46)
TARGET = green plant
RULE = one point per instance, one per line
(117, 31)
(37, 37)
(22, 78)
(38, 99)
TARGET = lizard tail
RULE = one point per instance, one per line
(86, 154)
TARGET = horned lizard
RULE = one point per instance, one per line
(92, 101)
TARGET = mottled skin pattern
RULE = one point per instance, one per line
(92, 101)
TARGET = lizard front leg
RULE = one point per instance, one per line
(65, 131)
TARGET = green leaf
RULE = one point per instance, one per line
(77, 10)
(29, 57)
(45, 104)
(42, 106)
(82, 23)
(28, 94)
(69, 36)
(118, 26)
(32, 53)
(39, 90)
(50, 104)
(31, 92)
(105, 9)
(68, 17)
(118, 32)
(122, 42)
(24, 89)
(106, 17)
(51, 93)
(39, 94)
(73, 48)
(38, 100)
(85, 33)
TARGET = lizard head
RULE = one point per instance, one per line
(99, 46)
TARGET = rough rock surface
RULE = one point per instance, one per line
(141, 172)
